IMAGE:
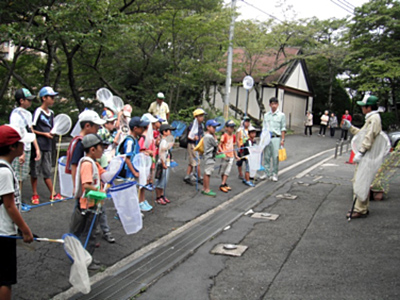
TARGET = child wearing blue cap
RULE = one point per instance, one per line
(210, 150)
(43, 122)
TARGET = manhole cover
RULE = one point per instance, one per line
(233, 249)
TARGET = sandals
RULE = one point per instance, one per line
(356, 215)
(165, 199)
(160, 200)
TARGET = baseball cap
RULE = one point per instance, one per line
(24, 94)
(10, 134)
(47, 91)
(91, 140)
(198, 112)
(91, 116)
(246, 119)
(137, 122)
(108, 115)
(164, 127)
(161, 120)
(230, 123)
(367, 101)
(160, 96)
(212, 123)
(149, 118)
(273, 99)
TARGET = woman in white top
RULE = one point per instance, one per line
(324, 123)
(308, 123)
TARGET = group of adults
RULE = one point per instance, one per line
(326, 121)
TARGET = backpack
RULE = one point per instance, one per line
(183, 139)
(120, 150)
(70, 152)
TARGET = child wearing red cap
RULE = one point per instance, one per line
(12, 139)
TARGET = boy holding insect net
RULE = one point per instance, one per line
(226, 146)
(88, 179)
(22, 117)
(12, 139)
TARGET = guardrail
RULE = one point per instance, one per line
(339, 146)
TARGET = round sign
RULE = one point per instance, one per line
(248, 82)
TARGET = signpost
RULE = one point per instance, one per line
(248, 83)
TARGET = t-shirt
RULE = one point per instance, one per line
(210, 148)
(78, 153)
(160, 110)
(346, 117)
(22, 118)
(8, 184)
(86, 173)
(43, 121)
(227, 142)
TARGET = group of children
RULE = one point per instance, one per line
(231, 148)
(98, 140)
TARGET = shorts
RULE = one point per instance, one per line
(22, 171)
(194, 159)
(42, 166)
(8, 261)
(209, 169)
(226, 166)
(239, 163)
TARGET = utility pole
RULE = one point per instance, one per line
(229, 64)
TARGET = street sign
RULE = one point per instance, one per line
(248, 82)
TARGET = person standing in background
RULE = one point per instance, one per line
(308, 123)
(347, 117)
(333, 123)
(324, 123)
(160, 108)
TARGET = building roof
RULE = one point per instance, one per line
(270, 66)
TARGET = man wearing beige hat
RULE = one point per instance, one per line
(160, 108)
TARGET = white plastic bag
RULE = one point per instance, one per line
(81, 259)
(126, 201)
(370, 163)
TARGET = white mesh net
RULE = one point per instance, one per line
(78, 277)
(142, 163)
(62, 124)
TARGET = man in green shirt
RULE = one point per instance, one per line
(275, 122)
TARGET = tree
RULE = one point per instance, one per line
(374, 61)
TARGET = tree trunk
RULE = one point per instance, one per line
(393, 86)
(10, 72)
(330, 84)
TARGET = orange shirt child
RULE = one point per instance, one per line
(86, 173)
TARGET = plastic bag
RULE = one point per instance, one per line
(81, 259)
(370, 163)
(282, 154)
(126, 202)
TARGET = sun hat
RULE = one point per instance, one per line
(160, 96)
(108, 116)
(127, 110)
(198, 112)
(149, 118)
(91, 116)
(10, 134)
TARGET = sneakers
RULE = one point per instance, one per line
(108, 237)
(148, 204)
(249, 183)
(274, 178)
(223, 188)
(209, 193)
(187, 180)
(240, 177)
(94, 267)
(35, 199)
(56, 197)
(263, 176)
(144, 207)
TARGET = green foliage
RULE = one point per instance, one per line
(388, 118)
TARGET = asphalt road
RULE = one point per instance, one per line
(43, 271)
